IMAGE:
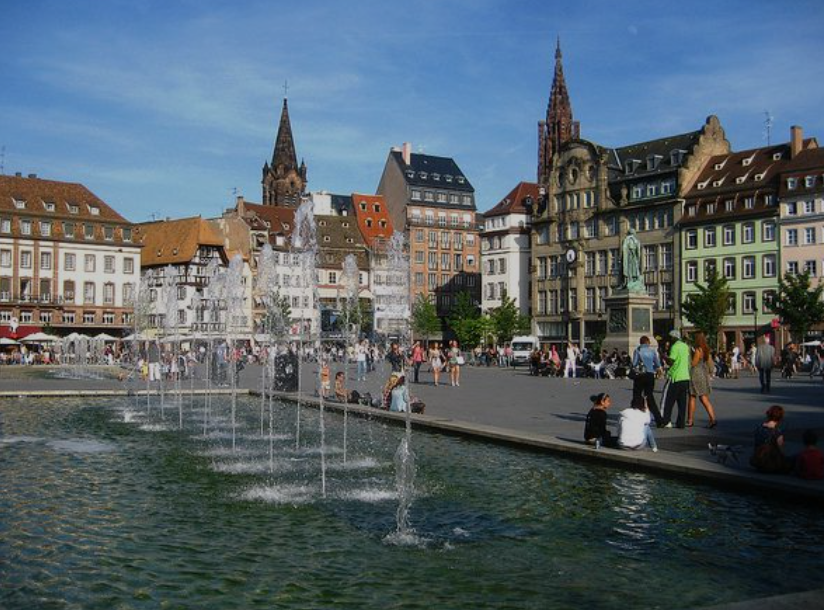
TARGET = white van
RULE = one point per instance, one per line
(522, 347)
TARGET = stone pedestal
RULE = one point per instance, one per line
(629, 317)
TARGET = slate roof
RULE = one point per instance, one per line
(280, 219)
(169, 242)
(809, 162)
(338, 236)
(513, 203)
(423, 170)
(37, 191)
(662, 148)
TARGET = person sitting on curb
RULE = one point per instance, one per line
(595, 429)
(634, 431)
(341, 393)
(809, 464)
(768, 454)
(399, 398)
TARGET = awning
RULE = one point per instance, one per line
(22, 331)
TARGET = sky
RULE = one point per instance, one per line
(171, 107)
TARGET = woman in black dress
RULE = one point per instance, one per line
(595, 429)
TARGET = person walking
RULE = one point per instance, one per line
(647, 364)
(700, 385)
(417, 359)
(395, 358)
(455, 362)
(678, 385)
(764, 361)
(436, 362)
(569, 363)
(361, 353)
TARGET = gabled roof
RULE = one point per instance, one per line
(372, 217)
(275, 219)
(513, 203)
(432, 172)
(170, 242)
(36, 191)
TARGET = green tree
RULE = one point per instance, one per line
(507, 320)
(485, 329)
(462, 320)
(707, 308)
(425, 320)
(799, 305)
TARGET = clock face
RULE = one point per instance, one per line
(571, 255)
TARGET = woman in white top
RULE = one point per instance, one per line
(634, 431)
(436, 362)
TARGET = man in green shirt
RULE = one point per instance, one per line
(679, 382)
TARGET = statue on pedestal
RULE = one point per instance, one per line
(632, 281)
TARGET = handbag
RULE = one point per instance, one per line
(460, 360)
(636, 371)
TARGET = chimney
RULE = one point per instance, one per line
(18, 174)
(407, 153)
(240, 206)
(32, 176)
(796, 140)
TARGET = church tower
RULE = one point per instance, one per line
(283, 181)
(558, 128)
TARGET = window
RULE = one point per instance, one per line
(333, 277)
(428, 196)
(542, 267)
(767, 300)
(108, 264)
(768, 231)
(748, 302)
(615, 260)
(603, 268)
(709, 237)
(748, 233)
(68, 317)
(46, 261)
(692, 271)
(792, 183)
(108, 233)
(769, 265)
(127, 233)
(20, 204)
(94, 210)
(89, 263)
(710, 268)
(441, 197)
(666, 295)
(25, 259)
(128, 265)
(5, 225)
(729, 235)
(809, 207)
(108, 293)
(25, 227)
(5, 258)
(710, 208)
(128, 294)
(792, 208)
(611, 226)
(108, 317)
(809, 181)
(729, 205)
(445, 258)
(792, 267)
(731, 303)
(45, 228)
(88, 317)
(811, 268)
(69, 261)
(666, 256)
(792, 237)
(419, 256)
(590, 300)
(554, 267)
(433, 260)
(749, 203)
(691, 239)
(88, 231)
(591, 228)
(748, 267)
(68, 230)
(433, 280)
(419, 235)
(590, 263)
(691, 210)
(729, 268)
(809, 235)
(88, 293)
(650, 258)
(181, 293)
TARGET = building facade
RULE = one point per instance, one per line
(506, 251)
(430, 199)
(730, 227)
(68, 261)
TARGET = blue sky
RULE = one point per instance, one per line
(165, 107)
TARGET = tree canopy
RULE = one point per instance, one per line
(425, 320)
(507, 320)
(798, 304)
(707, 308)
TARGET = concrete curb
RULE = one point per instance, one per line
(93, 393)
(664, 462)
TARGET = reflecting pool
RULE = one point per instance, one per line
(104, 507)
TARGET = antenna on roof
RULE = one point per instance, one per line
(768, 123)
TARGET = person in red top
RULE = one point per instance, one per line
(809, 464)
(418, 357)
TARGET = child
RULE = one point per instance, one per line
(324, 380)
(595, 428)
(810, 463)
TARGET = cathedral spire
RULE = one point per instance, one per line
(284, 181)
(558, 128)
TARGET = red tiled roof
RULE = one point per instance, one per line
(280, 219)
(174, 241)
(36, 192)
(373, 221)
(513, 203)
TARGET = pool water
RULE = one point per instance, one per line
(102, 506)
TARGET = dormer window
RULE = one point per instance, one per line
(792, 183)
(382, 224)
(729, 205)
(20, 204)
(368, 223)
(349, 240)
(363, 203)
(345, 225)
(746, 162)
(718, 182)
(448, 178)
(777, 156)
(423, 175)
(691, 210)
(73, 208)
(94, 210)
(676, 156)
(48, 206)
(327, 239)
(436, 176)
(809, 181)
(377, 208)
(410, 173)
(749, 203)
(759, 176)
(710, 208)
(322, 223)
(719, 165)
(652, 161)
(740, 179)
(461, 180)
